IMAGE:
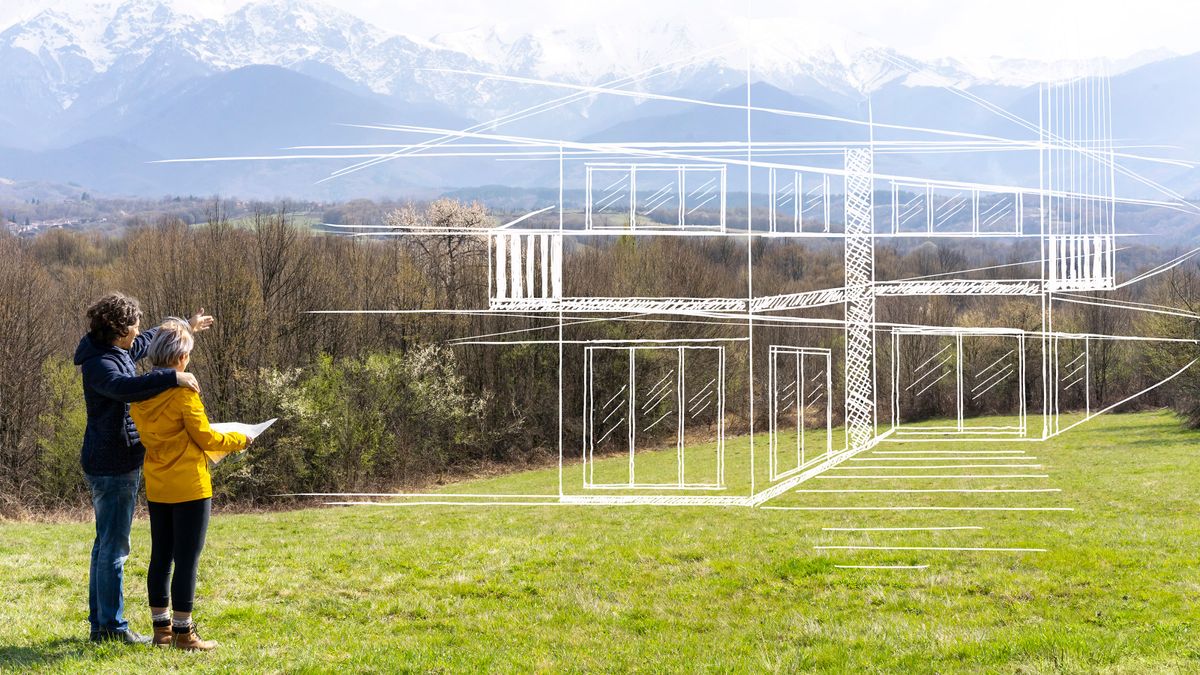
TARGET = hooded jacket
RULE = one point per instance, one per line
(110, 383)
(177, 436)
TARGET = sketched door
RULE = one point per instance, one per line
(925, 378)
(959, 381)
(801, 408)
(992, 387)
(640, 402)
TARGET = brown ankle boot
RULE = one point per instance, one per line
(188, 640)
(162, 636)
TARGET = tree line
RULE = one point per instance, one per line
(383, 397)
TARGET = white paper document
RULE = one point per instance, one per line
(251, 430)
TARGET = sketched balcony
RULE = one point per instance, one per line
(1080, 262)
(525, 274)
(524, 270)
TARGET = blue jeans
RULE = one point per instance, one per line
(113, 500)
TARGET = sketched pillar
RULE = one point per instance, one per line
(860, 300)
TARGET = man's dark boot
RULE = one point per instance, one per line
(124, 636)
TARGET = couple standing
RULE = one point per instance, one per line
(170, 437)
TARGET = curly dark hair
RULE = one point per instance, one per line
(111, 316)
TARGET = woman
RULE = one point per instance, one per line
(177, 435)
(111, 454)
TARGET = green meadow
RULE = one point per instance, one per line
(1096, 569)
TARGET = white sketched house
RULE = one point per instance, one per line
(825, 399)
(830, 376)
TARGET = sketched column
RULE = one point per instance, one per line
(860, 300)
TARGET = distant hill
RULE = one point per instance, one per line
(256, 110)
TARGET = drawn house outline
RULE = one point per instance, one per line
(1076, 231)
(645, 190)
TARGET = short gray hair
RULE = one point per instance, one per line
(172, 343)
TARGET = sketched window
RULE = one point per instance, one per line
(654, 197)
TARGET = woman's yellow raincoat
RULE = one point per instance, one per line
(177, 437)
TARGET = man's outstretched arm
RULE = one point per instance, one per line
(109, 382)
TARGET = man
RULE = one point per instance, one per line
(112, 453)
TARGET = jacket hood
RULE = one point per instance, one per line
(88, 349)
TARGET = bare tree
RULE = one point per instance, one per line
(26, 341)
(452, 255)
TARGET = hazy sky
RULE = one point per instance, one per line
(1037, 29)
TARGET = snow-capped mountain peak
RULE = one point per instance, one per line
(137, 23)
(74, 64)
(782, 51)
(777, 51)
(53, 31)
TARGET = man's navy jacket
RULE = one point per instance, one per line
(110, 383)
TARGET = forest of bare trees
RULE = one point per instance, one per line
(387, 400)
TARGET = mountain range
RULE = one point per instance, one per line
(92, 97)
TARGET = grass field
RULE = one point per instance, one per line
(556, 588)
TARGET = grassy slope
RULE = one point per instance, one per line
(626, 588)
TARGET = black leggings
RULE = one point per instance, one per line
(176, 535)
